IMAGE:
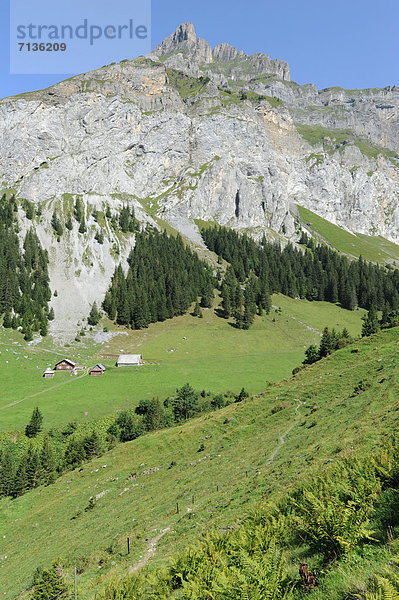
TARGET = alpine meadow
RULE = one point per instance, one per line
(199, 333)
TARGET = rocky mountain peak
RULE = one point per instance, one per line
(183, 36)
(185, 40)
(235, 143)
(186, 52)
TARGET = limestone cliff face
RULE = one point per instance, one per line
(194, 133)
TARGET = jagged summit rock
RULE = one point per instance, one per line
(183, 36)
(184, 51)
(185, 40)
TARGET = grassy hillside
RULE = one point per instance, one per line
(372, 248)
(252, 450)
(207, 352)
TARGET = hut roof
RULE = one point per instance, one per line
(49, 371)
(67, 360)
(128, 359)
(98, 367)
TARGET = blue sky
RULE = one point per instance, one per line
(351, 43)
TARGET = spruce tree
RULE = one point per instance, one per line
(92, 444)
(69, 223)
(7, 320)
(239, 307)
(242, 395)
(50, 584)
(20, 484)
(185, 405)
(197, 312)
(312, 355)
(326, 344)
(79, 210)
(33, 469)
(99, 237)
(35, 424)
(82, 227)
(47, 463)
(28, 337)
(7, 472)
(56, 224)
(226, 302)
(207, 296)
(370, 323)
(94, 315)
(43, 328)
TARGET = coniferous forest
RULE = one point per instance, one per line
(163, 279)
(24, 279)
(315, 273)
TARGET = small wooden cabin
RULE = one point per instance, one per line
(129, 360)
(65, 365)
(98, 369)
(48, 373)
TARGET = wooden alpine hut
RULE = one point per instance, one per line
(48, 373)
(65, 365)
(98, 369)
(129, 360)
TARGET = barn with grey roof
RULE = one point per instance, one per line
(129, 360)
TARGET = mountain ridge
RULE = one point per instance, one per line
(181, 140)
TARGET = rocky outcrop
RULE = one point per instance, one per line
(210, 140)
(184, 51)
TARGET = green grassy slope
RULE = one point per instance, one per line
(214, 355)
(143, 480)
(372, 248)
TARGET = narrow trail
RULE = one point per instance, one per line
(149, 552)
(53, 387)
(309, 327)
(282, 438)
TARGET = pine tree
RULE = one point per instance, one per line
(79, 210)
(35, 424)
(312, 355)
(226, 302)
(92, 444)
(185, 405)
(370, 323)
(124, 219)
(51, 314)
(20, 484)
(242, 395)
(152, 411)
(50, 584)
(74, 453)
(99, 237)
(29, 210)
(28, 337)
(47, 463)
(326, 344)
(33, 469)
(82, 227)
(7, 320)
(56, 224)
(7, 471)
(207, 296)
(94, 315)
(197, 312)
(69, 223)
(249, 302)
